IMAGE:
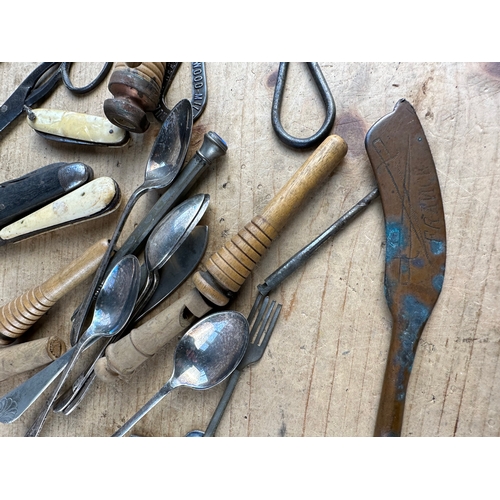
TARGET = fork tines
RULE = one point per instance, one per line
(261, 328)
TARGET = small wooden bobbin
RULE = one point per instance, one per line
(136, 88)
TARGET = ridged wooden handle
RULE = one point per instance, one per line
(20, 314)
(136, 88)
(20, 358)
(125, 356)
(228, 268)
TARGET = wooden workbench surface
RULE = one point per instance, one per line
(322, 372)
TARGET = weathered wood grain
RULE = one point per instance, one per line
(322, 372)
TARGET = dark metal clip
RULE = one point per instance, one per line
(322, 133)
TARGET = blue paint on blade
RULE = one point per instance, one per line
(396, 240)
(437, 282)
(437, 247)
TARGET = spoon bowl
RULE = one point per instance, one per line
(113, 308)
(170, 147)
(167, 237)
(205, 356)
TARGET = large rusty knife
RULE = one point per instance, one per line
(415, 246)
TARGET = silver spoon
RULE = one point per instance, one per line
(164, 163)
(206, 355)
(163, 242)
(167, 237)
(113, 308)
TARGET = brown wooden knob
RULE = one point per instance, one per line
(136, 88)
(20, 314)
(228, 268)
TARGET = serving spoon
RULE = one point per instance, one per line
(113, 308)
(205, 356)
(164, 163)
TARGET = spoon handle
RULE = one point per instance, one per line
(145, 409)
(83, 310)
(37, 425)
(18, 400)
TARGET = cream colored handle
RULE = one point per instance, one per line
(27, 356)
(21, 313)
(86, 201)
(79, 126)
(123, 357)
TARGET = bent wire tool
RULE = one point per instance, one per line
(326, 95)
(415, 246)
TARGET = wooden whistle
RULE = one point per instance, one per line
(20, 314)
(136, 88)
(27, 356)
(226, 270)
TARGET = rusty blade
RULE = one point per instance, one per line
(415, 246)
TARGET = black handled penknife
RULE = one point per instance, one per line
(21, 196)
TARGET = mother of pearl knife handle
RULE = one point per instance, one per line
(95, 199)
(21, 313)
(79, 128)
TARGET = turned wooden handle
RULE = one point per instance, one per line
(127, 354)
(17, 316)
(21, 358)
(228, 268)
(136, 88)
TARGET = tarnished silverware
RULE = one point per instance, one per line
(113, 308)
(165, 161)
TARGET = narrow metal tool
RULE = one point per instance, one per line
(213, 147)
(326, 95)
(415, 246)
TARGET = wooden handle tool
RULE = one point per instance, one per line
(225, 271)
(27, 356)
(20, 314)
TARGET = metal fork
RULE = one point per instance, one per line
(266, 316)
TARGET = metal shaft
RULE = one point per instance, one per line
(300, 258)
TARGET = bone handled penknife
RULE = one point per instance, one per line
(28, 193)
(94, 199)
(76, 128)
